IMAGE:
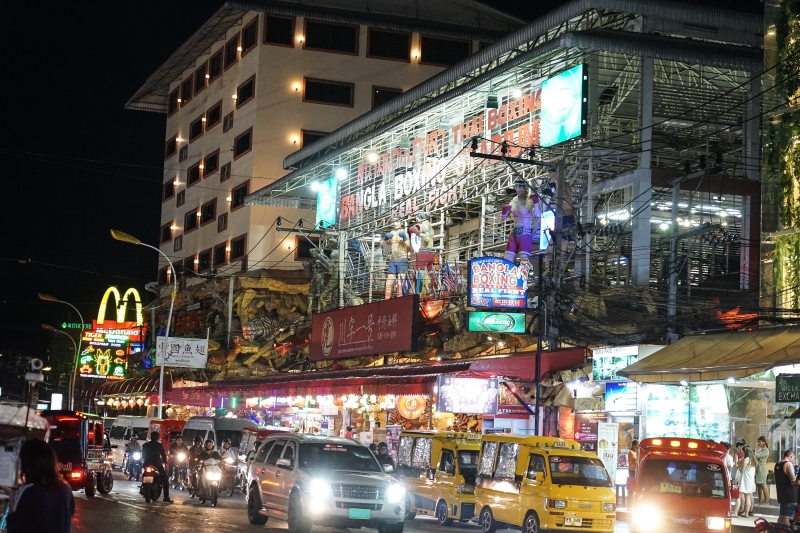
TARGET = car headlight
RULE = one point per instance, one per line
(319, 488)
(646, 518)
(609, 507)
(229, 460)
(181, 456)
(213, 476)
(136, 456)
(717, 523)
(463, 488)
(395, 493)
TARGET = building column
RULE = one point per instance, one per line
(642, 192)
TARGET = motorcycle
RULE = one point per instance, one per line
(229, 476)
(134, 465)
(151, 484)
(211, 474)
(180, 474)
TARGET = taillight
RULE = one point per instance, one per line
(76, 475)
(149, 469)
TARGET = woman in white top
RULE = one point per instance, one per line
(747, 484)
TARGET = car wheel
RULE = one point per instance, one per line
(441, 514)
(391, 528)
(296, 521)
(89, 488)
(531, 524)
(253, 508)
(105, 482)
(410, 515)
(488, 525)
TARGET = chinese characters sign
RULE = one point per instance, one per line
(496, 282)
(467, 395)
(186, 353)
(371, 329)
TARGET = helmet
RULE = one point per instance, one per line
(134, 436)
(209, 441)
(383, 446)
(226, 441)
(198, 439)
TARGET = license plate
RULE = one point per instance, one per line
(147, 479)
(360, 514)
(572, 521)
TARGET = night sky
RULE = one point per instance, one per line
(74, 163)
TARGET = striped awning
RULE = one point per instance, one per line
(126, 387)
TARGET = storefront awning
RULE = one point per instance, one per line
(126, 387)
(719, 356)
(522, 367)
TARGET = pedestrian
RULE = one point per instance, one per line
(633, 458)
(786, 487)
(348, 432)
(729, 462)
(762, 454)
(740, 444)
(44, 503)
(373, 448)
(747, 485)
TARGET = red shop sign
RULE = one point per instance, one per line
(369, 329)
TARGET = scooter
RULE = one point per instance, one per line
(134, 465)
(229, 476)
(151, 484)
(211, 474)
(762, 525)
(180, 474)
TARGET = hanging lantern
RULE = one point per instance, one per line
(139, 402)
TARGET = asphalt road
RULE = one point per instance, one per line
(124, 511)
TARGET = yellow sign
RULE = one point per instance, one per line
(121, 308)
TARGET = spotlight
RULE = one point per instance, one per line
(341, 174)
(516, 93)
(491, 102)
(315, 186)
(684, 383)
(373, 157)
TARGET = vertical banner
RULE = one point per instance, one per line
(607, 444)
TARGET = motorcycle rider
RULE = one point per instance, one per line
(177, 448)
(383, 455)
(132, 446)
(194, 453)
(153, 454)
(208, 453)
(226, 452)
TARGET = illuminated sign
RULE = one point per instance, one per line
(75, 325)
(546, 227)
(496, 322)
(120, 307)
(496, 282)
(563, 115)
(621, 396)
(105, 355)
(787, 388)
(467, 395)
(326, 203)
(606, 362)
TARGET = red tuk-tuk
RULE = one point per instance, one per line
(78, 440)
(168, 431)
(248, 446)
(681, 484)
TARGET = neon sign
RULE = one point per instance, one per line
(496, 282)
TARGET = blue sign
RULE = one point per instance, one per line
(496, 282)
(621, 396)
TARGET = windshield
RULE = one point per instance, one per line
(581, 471)
(338, 457)
(468, 465)
(235, 436)
(683, 478)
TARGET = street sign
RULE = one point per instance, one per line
(787, 388)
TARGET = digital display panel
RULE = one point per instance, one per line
(326, 203)
(105, 354)
(467, 395)
(563, 107)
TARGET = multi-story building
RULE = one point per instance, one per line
(260, 80)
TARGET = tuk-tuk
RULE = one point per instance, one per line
(168, 431)
(248, 446)
(78, 440)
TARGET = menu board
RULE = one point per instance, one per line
(586, 429)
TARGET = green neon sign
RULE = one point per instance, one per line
(75, 325)
(496, 322)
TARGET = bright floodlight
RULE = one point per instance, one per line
(341, 174)
(315, 186)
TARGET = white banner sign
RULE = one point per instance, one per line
(186, 353)
(607, 446)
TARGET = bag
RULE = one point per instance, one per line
(770, 477)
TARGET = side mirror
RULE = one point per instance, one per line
(630, 484)
(539, 478)
(284, 463)
(431, 473)
(450, 469)
(114, 446)
(388, 469)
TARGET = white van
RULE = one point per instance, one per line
(216, 429)
(121, 430)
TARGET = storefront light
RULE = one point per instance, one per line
(684, 383)
(341, 174)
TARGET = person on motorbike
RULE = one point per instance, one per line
(131, 447)
(194, 453)
(153, 455)
(383, 455)
(226, 452)
(175, 450)
(208, 453)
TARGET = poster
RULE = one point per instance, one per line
(708, 412)
(586, 429)
(563, 107)
(393, 439)
(606, 362)
(181, 352)
(496, 282)
(607, 446)
(467, 395)
(667, 411)
(621, 396)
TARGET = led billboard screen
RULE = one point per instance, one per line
(326, 203)
(563, 115)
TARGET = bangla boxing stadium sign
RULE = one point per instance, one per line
(423, 177)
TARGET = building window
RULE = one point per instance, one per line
(180, 199)
(242, 144)
(178, 271)
(238, 247)
(196, 129)
(237, 196)
(381, 95)
(328, 37)
(200, 78)
(163, 279)
(279, 30)
(204, 260)
(193, 175)
(225, 172)
(231, 51)
(215, 66)
(250, 36)
(328, 92)
(214, 115)
(191, 263)
(211, 163)
(171, 146)
(311, 136)
(186, 92)
(177, 244)
(220, 254)
(208, 213)
(173, 102)
(245, 92)
(442, 52)
(222, 222)
(166, 232)
(184, 154)
(303, 247)
(168, 190)
(383, 44)
(227, 122)
(191, 221)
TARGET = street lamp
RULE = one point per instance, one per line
(124, 237)
(48, 298)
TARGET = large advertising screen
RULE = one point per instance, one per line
(467, 395)
(493, 322)
(326, 203)
(606, 362)
(369, 329)
(496, 282)
(105, 354)
(563, 115)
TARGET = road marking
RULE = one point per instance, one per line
(157, 510)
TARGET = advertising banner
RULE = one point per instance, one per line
(496, 322)
(787, 388)
(621, 396)
(586, 429)
(326, 203)
(563, 114)
(607, 444)
(606, 362)
(467, 395)
(370, 329)
(496, 282)
(104, 352)
(184, 353)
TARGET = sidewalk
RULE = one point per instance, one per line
(770, 512)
